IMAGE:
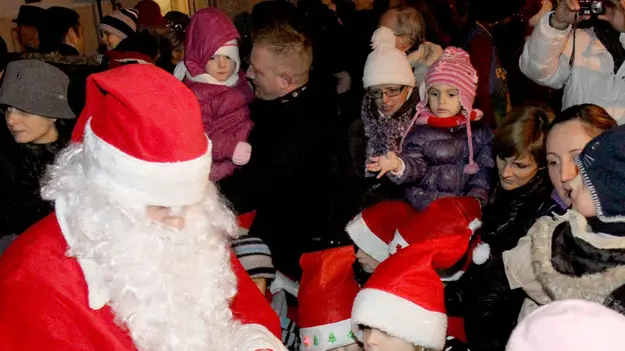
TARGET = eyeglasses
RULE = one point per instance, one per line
(390, 92)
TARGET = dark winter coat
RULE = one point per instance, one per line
(292, 180)
(225, 112)
(435, 159)
(490, 308)
(22, 167)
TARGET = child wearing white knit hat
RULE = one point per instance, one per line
(447, 151)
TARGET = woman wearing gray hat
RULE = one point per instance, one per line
(33, 99)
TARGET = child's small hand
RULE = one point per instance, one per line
(387, 163)
(373, 166)
(368, 263)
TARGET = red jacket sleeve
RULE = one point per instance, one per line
(249, 305)
(32, 318)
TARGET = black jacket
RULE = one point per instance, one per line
(294, 179)
(22, 167)
(490, 308)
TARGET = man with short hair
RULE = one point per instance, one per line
(137, 254)
(409, 27)
(62, 32)
(28, 21)
(291, 179)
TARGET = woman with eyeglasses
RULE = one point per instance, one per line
(387, 111)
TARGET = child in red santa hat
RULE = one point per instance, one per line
(454, 218)
(402, 305)
(326, 294)
(212, 70)
(377, 230)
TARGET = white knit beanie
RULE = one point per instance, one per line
(386, 64)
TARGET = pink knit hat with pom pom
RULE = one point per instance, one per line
(454, 68)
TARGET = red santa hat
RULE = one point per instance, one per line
(245, 221)
(454, 218)
(149, 149)
(373, 229)
(404, 297)
(327, 291)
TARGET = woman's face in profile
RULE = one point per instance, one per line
(565, 142)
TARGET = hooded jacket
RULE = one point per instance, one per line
(225, 111)
(568, 261)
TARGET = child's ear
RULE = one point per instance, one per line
(285, 80)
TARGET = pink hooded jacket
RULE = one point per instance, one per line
(225, 111)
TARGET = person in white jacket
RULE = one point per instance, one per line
(596, 74)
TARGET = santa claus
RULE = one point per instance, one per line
(136, 256)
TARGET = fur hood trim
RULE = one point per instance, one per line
(592, 287)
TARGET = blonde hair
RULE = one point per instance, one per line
(409, 23)
(291, 49)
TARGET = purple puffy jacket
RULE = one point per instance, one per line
(435, 159)
(225, 111)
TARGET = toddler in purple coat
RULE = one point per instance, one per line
(447, 151)
(211, 69)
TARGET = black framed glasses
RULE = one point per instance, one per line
(389, 92)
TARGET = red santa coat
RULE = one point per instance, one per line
(44, 302)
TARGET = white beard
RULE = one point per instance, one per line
(171, 289)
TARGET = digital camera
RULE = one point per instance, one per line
(591, 7)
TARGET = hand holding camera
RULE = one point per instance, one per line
(570, 11)
(566, 13)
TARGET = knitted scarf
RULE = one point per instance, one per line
(383, 133)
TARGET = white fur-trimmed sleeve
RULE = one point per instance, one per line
(252, 337)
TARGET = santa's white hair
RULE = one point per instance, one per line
(170, 288)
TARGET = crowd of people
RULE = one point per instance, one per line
(327, 175)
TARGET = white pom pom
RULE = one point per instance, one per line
(381, 37)
(481, 253)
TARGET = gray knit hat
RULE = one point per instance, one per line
(255, 257)
(36, 87)
(122, 23)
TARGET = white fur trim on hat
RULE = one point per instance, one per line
(328, 336)
(400, 318)
(398, 243)
(149, 183)
(386, 64)
(366, 240)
